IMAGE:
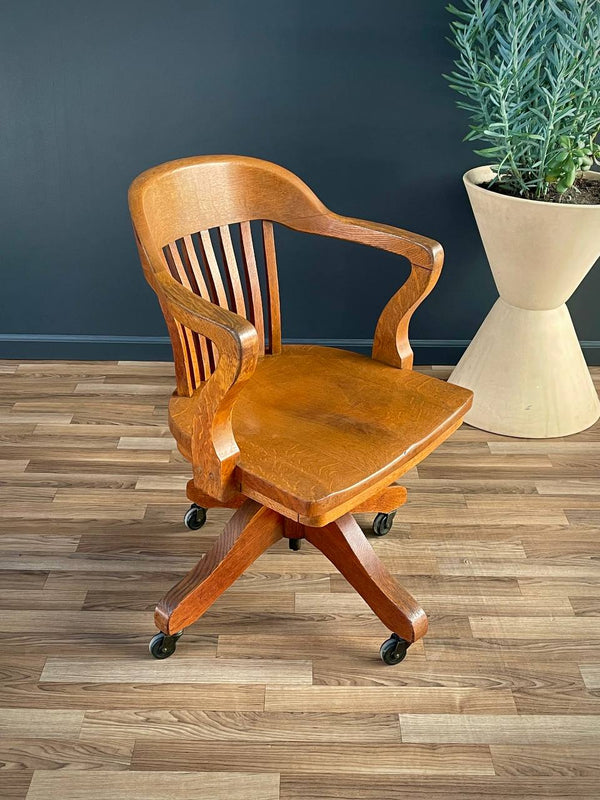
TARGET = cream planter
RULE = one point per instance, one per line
(525, 365)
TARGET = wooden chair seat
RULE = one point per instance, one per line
(320, 428)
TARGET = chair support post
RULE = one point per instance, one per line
(346, 546)
(252, 529)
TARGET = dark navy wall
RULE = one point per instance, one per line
(346, 93)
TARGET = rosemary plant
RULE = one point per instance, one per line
(529, 71)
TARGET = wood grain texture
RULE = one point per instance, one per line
(154, 786)
(278, 691)
(331, 758)
(252, 529)
(345, 545)
(307, 434)
(321, 431)
(177, 200)
(317, 432)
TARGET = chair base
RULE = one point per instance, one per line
(253, 529)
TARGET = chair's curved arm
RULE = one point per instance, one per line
(426, 257)
(390, 343)
(417, 249)
(214, 449)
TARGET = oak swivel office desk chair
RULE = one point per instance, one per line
(296, 438)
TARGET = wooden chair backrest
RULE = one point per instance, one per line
(187, 216)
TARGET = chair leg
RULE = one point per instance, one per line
(252, 529)
(346, 546)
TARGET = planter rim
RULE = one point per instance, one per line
(473, 178)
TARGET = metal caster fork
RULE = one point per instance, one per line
(382, 523)
(393, 650)
(162, 645)
(195, 517)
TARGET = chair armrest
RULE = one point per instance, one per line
(417, 249)
(390, 343)
(215, 452)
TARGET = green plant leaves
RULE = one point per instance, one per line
(528, 72)
(573, 156)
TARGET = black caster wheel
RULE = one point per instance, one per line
(382, 523)
(195, 517)
(393, 650)
(295, 544)
(162, 646)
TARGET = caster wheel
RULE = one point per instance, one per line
(382, 523)
(295, 544)
(393, 650)
(162, 646)
(195, 517)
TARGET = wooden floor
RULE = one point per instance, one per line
(278, 692)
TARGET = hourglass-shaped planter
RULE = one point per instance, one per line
(525, 365)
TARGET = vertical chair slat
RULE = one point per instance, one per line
(194, 269)
(233, 274)
(195, 351)
(252, 283)
(193, 265)
(272, 288)
(183, 376)
(212, 269)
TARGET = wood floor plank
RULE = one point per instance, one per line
(145, 443)
(560, 759)
(444, 604)
(33, 417)
(31, 542)
(136, 785)
(577, 486)
(69, 754)
(90, 643)
(105, 579)
(585, 606)
(12, 466)
(528, 568)
(536, 627)
(22, 579)
(59, 511)
(427, 787)
(40, 722)
(386, 699)
(146, 601)
(513, 651)
(180, 724)
(557, 587)
(94, 431)
(591, 675)
(333, 759)
(15, 784)
(313, 561)
(207, 697)
(70, 621)
(190, 669)
(347, 646)
(537, 446)
(169, 482)
(510, 729)
(447, 585)
(41, 599)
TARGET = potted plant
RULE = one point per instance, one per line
(529, 75)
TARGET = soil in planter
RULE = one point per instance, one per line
(584, 192)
